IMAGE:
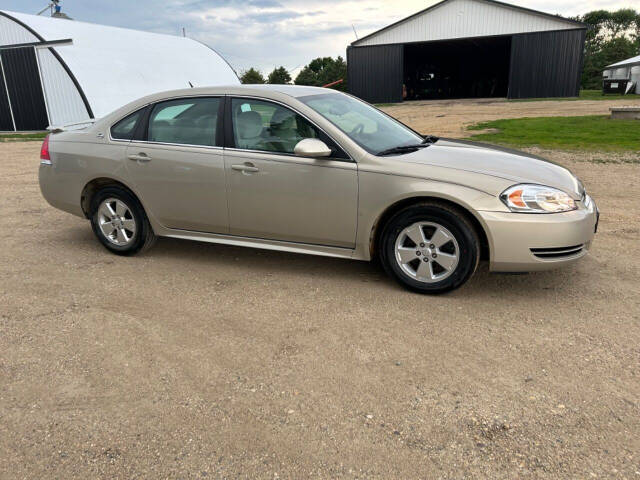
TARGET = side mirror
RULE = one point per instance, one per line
(312, 148)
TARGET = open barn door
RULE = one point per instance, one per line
(375, 73)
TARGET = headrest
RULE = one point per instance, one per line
(282, 115)
(249, 124)
(206, 121)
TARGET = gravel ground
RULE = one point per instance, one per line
(204, 361)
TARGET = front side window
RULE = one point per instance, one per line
(269, 127)
(368, 127)
(125, 128)
(185, 121)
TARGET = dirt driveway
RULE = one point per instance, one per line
(203, 361)
(449, 118)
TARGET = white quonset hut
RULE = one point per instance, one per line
(628, 69)
(55, 71)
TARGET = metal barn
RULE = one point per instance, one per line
(469, 49)
(55, 71)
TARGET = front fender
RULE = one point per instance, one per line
(380, 192)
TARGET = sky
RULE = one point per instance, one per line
(269, 33)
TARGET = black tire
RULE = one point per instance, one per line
(448, 217)
(142, 239)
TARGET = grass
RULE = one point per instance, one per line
(22, 137)
(596, 132)
(584, 95)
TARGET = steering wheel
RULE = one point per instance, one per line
(358, 129)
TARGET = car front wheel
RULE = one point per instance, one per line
(430, 248)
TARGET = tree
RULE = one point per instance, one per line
(612, 36)
(251, 76)
(611, 51)
(279, 76)
(322, 71)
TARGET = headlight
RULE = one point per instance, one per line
(537, 199)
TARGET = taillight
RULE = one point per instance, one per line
(45, 159)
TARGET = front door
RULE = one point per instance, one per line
(274, 194)
(179, 167)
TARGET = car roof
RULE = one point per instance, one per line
(273, 92)
(289, 90)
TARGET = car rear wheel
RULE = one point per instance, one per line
(430, 248)
(119, 221)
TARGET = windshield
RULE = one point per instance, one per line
(368, 127)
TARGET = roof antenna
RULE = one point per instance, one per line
(354, 31)
(55, 10)
(191, 84)
(49, 7)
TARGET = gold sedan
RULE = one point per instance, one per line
(310, 170)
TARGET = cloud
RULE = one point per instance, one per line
(270, 33)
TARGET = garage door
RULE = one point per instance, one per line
(6, 122)
(22, 79)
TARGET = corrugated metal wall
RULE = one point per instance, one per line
(25, 89)
(635, 77)
(12, 33)
(40, 89)
(375, 73)
(546, 64)
(463, 19)
(6, 119)
(64, 102)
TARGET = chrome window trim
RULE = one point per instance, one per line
(350, 160)
(207, 147)
(293, 155)
(231, 96)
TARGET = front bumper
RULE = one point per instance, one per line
(531, 242)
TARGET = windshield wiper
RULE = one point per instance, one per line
(430, 139)
(403, 149)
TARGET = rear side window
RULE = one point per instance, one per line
(125, 128)
(185, 121)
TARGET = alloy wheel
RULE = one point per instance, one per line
(116, 222)
(427, 252)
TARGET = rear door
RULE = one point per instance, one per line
(178, 166)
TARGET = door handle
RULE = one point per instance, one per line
(245, 168)
(141, 157)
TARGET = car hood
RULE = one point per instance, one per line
(508, 164)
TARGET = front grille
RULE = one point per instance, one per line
(557, 252)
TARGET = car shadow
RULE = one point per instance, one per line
(482, 283)
(263, 262)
